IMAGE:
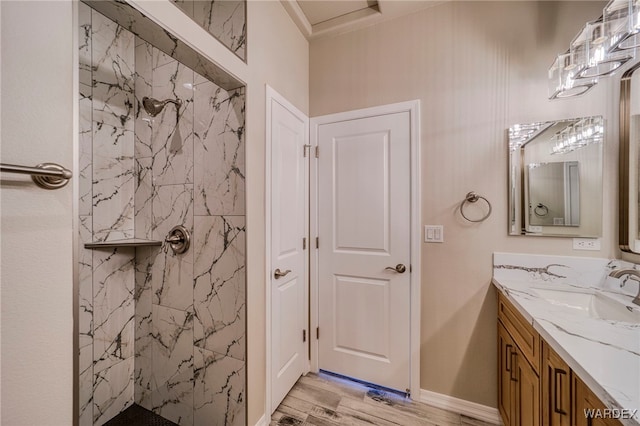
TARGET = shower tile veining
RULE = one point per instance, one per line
(225, 20)
(219, 150)
(219, 272)
(172, 137)
(219, 389)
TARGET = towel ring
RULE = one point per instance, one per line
(541, 210)
(472, 197)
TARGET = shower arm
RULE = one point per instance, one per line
(176, 102)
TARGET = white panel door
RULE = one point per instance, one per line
(364, 231)
(288, 256)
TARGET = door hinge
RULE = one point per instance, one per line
(317, 242)
(304, 335)
(304, 243)
(318, 333)
(317, 152)
(305, 150)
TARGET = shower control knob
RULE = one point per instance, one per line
(179, 239)
(174, 239)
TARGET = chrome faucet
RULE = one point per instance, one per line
(633, 274)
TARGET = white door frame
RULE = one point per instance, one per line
(413, 107)
(273, 96)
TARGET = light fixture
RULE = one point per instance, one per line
(519, 134)
(601, 60)
(579, 52)
(564, 81)
(622, 24)
(581, 133)
(599, 49)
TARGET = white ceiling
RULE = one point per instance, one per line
(316, 18)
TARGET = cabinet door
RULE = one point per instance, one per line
(556, 389)
(506, 353)
(527, 392)
(521, 331)
(583, 401)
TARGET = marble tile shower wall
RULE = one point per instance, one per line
(190, 308)
(225, 20)
(165, 331)
(107, 310)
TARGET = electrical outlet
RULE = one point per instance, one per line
(586, 243)
(433, 234)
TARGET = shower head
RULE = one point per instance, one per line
(154, 106)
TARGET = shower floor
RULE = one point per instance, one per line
(138, 416)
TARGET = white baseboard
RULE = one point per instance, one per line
(264, 421)
(470, 409)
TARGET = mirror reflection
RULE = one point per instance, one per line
(556, 178)
(554, 194)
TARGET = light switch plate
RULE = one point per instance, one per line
(433, 233)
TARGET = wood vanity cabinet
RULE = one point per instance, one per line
(519, 382)
(556, 389)
(535, 385)
(584, 399)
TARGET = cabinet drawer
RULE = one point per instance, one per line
(521, 331)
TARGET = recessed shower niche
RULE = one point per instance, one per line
(225, 20)
(159, 329)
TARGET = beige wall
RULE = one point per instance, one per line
(477, 68)
(36, 225)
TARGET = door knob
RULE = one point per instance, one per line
(400, 268)
(279, 274)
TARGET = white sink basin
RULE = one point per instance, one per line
(589, 304)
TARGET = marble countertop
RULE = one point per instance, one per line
(605, 354)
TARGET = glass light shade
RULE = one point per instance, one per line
(563, 78)
(622, 24)
(519, 134)
(600, 60)
(579, 53)
(582, 133)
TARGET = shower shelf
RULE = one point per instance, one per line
(129, 242)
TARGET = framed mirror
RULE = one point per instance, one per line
(555, 178)
(629, 226)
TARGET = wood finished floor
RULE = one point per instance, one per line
(324, 400)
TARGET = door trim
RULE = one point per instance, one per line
(413, 108)
(273, 96)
